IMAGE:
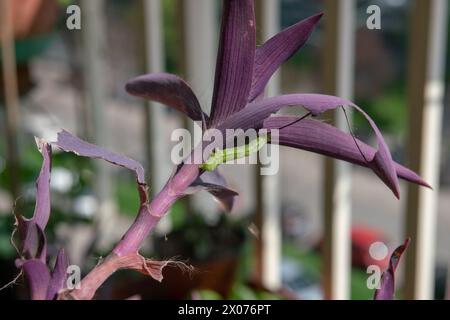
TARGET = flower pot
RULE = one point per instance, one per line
(33, 18)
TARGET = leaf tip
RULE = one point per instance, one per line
(318, 16)
(396, 193)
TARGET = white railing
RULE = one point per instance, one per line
(339, 44)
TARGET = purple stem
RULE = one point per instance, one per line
(150, 214)
(148, 217)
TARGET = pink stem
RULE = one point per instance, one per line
(150, 214)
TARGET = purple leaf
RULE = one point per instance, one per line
(234, 59)
(59, 275)
(33, 241)
(31, 231)
(214, 182)
(319, 137)
(387, 282)
(70, 143)
(276, 50)
(42, 208)
(255, 113)
(38, 278)
(168, 89)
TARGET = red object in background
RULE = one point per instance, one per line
(362, 239)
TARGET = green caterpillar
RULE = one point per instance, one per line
(220, 156)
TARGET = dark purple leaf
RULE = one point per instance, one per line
(70, 143)
(168, 89)
(234, 59)
(33, 241)
(38, 278)
(276, 50)
(59, 275)
(319, 137)
(387, 282)
(255, 113)
(214, 182)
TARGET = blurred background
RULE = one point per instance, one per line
(304, 233)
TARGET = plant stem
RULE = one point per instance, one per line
(148, 217)
(150, 214)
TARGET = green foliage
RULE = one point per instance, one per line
(388, 111)
(312, 263)
(127, 196)
(243, 292)
(240, 291)
(65, 2)
(172, 40)
(6, 249)
(209, 295)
